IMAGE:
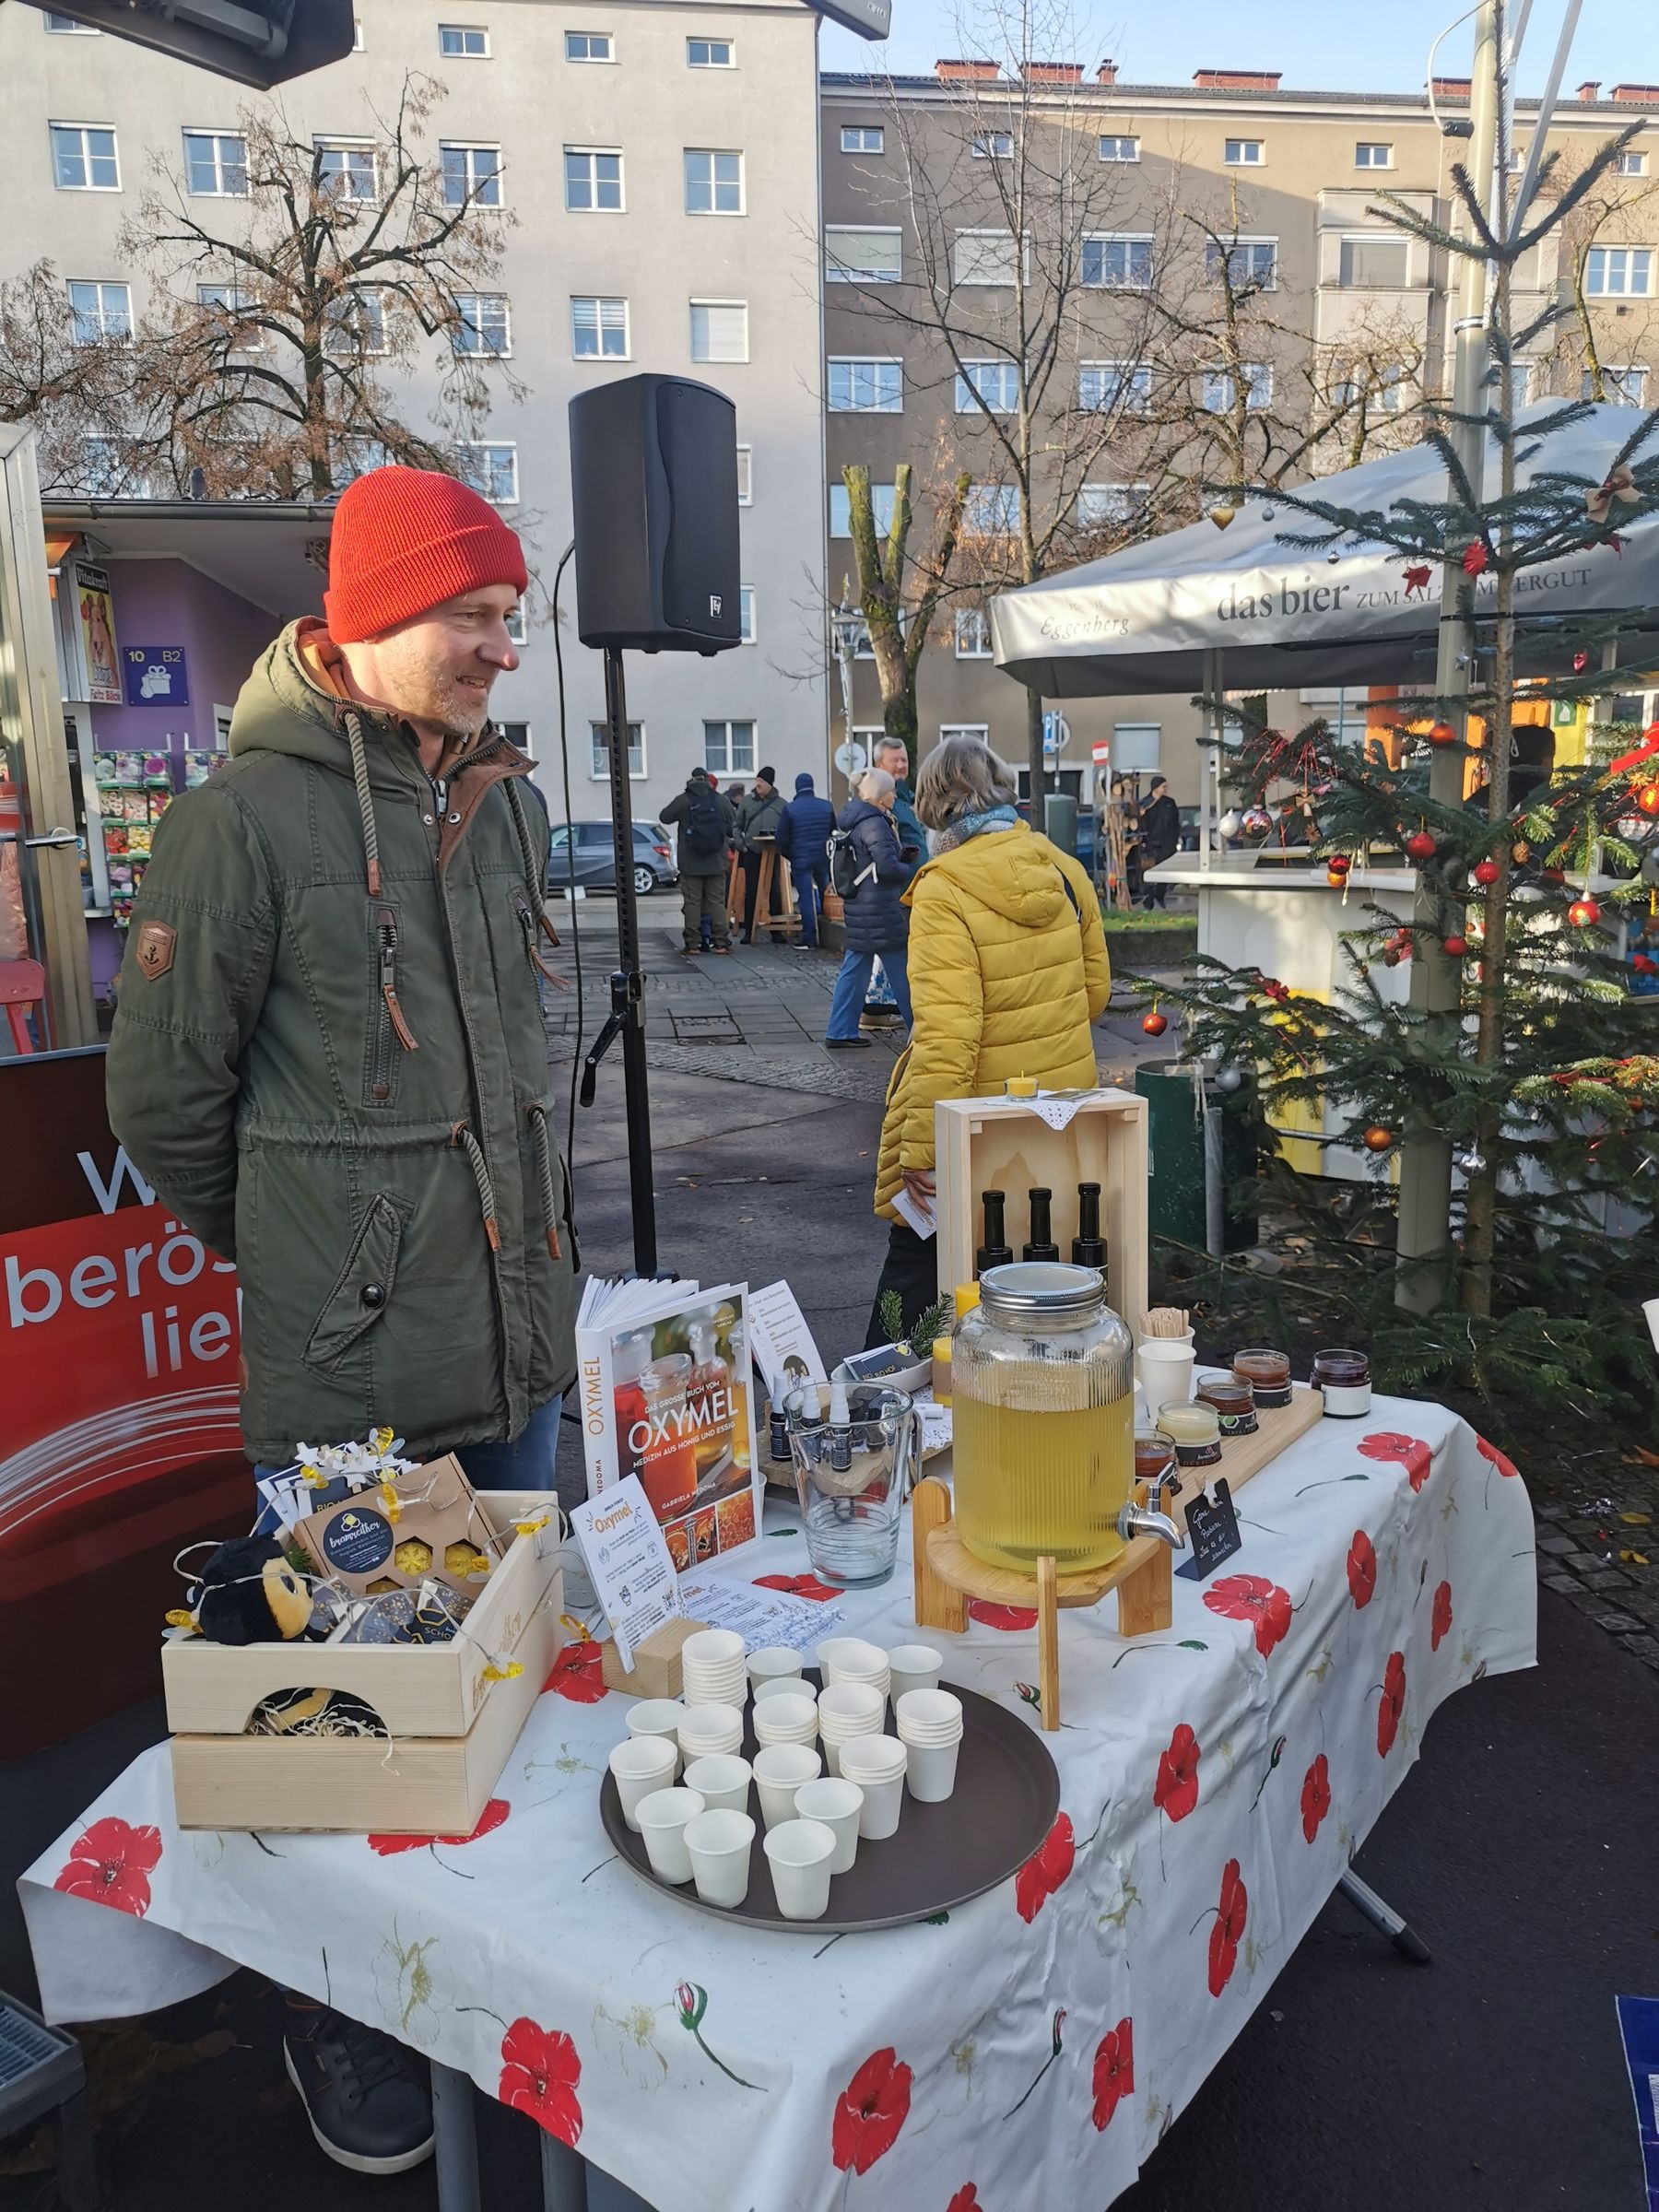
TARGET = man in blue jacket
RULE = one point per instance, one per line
(803, 836)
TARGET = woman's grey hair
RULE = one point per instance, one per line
(874, 785)
(962, 775)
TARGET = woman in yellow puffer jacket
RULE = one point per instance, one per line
(1007, 975)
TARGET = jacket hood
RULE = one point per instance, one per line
(862, 810)
(283, 708)
(1014, 872)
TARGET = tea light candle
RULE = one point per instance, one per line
(1343, 1377)
(1196, 1432)
(1268, 1373)
(1234, 1403)
(1022, 1087)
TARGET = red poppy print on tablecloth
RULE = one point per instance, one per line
(990, 1615)
(1410, 1451)
(1175, 1793)
(870, 2111)
(539, 2075)
(966, 2199)
(1315, 1796)
(1504, 1464)
(1361, 1570)
(1254, 1598)
(1440, 1626)
(1113, 2071)
(111, 1864)
(1227, 1930)
(576, 1674)
(1045, 1870)
(490, 1818)
(1394, 1702)
(799, 1585)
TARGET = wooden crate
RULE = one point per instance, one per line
(417, 1690)
(999, 1145)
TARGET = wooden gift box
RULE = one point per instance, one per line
(1000, 1144)
(449, 1730)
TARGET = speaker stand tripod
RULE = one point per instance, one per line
(626, 1015)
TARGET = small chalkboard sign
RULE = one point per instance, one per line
(1212, 1531)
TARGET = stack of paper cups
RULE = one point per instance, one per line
(780, 1770)
(846, 1709)
(706, 1730)
(774, 1663)
(877, 1764)
(850, 1659)
(930, 1728)
(713, 1667)
(786, 1721)
(785, 1686)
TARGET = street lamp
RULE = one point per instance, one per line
(847, 633)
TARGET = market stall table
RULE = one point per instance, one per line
(1034, 2044)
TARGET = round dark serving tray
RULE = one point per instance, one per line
(1006, 1800)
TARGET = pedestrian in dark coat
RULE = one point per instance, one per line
(1160, 837)
(878, 923)
(759, 813)
(802, 835)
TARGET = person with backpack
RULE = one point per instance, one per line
(705, 823)
(802, 835)
(759, 812)
(871, 876)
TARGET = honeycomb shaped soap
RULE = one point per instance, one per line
(412, 1556)
(464, 1559)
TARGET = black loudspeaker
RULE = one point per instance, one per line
(654, 491)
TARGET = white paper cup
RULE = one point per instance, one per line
(663, 1818)
(1165, 1365)
(718, 1845)
(786, 1721)
(849, 1709)
(851, 1659)
(799, 1853)
(722, 1781)
(877, 1763)
(913, 1666)
(713, 1648)
(706, 1729)
(773, 1663)
(656, 1716)
(641, 1764)
(785, 1686)
(930, 1771)
(780, 1770)
(923, 1715)
(838, 1805)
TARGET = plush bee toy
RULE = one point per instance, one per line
(249, 1594)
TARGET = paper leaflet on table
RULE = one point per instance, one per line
(761, 1617)
(628, 1563)
(664, 1392)
(783, 1343)
(911, 1209)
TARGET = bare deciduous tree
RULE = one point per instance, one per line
(70, 382)
(900, 592)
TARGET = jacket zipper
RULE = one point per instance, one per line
(385, 923)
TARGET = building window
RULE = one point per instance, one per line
(881, 507)
(746, 476)
(589, 46)
(471, 174)
(994, 146)
(990, 386)
(463, 41)
(216, 164)
(354, 323)
(592, 180)
(513, 625)
(1374, 265)
(1111, 506)
(492, 471)
(1220, 391)
(228, 301)
(1252, 263)
(485, 328)
(746, 613)
(1243, 153)
(983, 257)
(711, 53)
(713, 182)
(599, 330)
(1630, 163)
(58, 22)
(980, 730)
(859, 387)
(1624, 387)
(103, 472)
(1120, 149)
(862, 138)
(1385, 389)
(83, 158)
(601, 764)
(972, 634)
(1135, 746)
(1118, 263)
(99, 311)
(1619, 273)
(856, 254)
(346, 169)
(720, 330)
(992, 511)
(729, 748)
(1102, 385)
(1373, 153)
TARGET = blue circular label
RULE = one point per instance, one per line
(357, 1540)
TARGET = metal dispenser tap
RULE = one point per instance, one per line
(1150, 1520)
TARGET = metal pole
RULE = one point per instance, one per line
(1425, 1225)
(627, 983)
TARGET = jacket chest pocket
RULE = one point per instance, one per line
(390, 1036)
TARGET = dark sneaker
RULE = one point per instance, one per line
(849, 1045)
(370, 2105)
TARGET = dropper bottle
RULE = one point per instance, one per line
(1042, 1246)
(1089, 1246)
(840, 1429)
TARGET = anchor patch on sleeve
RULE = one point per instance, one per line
(154, 949)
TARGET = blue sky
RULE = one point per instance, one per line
(1351, 47)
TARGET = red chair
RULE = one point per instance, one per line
(22, 985)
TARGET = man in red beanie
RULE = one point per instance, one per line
(330, 1062)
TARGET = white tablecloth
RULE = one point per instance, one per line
(1030, 2048)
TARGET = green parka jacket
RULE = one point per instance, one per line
(329, 1060)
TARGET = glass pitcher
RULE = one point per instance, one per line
(1043, 1401)
(852, 1477)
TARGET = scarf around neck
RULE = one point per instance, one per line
(971, 825)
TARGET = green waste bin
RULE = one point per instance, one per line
(1060, 820)
(1180, 1181)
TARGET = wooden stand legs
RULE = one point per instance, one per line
(1047, 1641)
(937, 1604)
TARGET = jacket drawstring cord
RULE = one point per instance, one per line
(460, 1135)
(360, 776)
(532, 874)
(543, 1142)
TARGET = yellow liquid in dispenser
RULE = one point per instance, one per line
(1028, 1481)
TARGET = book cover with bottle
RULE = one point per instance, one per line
(664, 1377)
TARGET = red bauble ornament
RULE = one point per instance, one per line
(1647, 798)
(1581, 661)
(1455, 947)
(1377, 1139)
(1486, 871)
(1442, 733)
(1420, 845)
(1584, 913)
(1339, 864)
(1476, 561)
(1155, 1023)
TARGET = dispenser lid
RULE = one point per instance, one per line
(1033, 1289)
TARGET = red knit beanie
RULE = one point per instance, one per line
(405, 540)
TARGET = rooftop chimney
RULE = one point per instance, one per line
(1590, 90)
(1107, 73)
(1636, 96)
(983, 73)
(1450, 88)
(1237, 80)
(1053, 73)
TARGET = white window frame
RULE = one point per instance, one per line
(747, 633)
(1129, 239)
(1117, 140)
(86, 154)
(465, 53)
(860, 132)
(708, 61)
(1365, 147)
(590, 154)
(479, 481)
(99, 309)
(357, 34)
(1241, 244)
(1631, 255)
(746, 476)
(66, 26)
(728, 766)
(1632, 162)
(987, 283)
(330, 143)
(715, 184)
(972, 634)
(968, 397)
(853, 361)
(518, 634)
(216, 140)
(1243, 157)
(1614, 381)
(366, 338)
(881, 503)
(716, 360)
(1374, 238)
(982, 730)
(599, 766)
(232, 304)
(481, 352)
(594, 60)
(467, 148)
(1260, 374)
(992, 146)
(1121, 505)
(836, 271)
(1134, 394)
(1003, 522)
(599, 301)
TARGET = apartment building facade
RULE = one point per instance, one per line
(1286, 184)
(661, 159)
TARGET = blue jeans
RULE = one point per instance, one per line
(524, 1463)
(852, 982)
(811, 883)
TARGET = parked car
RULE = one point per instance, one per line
(596, 857)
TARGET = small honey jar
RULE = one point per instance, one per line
(1267, 1373)
(1234, 1402)
(1152, 1454)
(1195, 1433)
(1343, 1378)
